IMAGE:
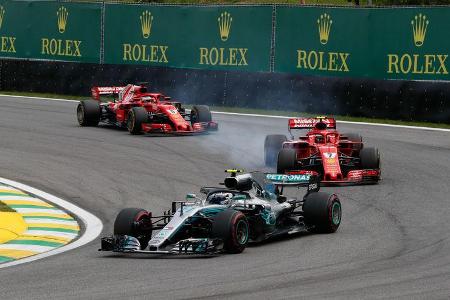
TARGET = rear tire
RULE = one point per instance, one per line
(232, 227)
(200, 114)
(88, 113)
(136, 116)
(125, 225)
(287, 159)
(370, 158)
(272, 145)
(322, 212)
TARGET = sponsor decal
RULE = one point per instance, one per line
(58, 46)
(146, 23)
(6, 42)
(323, 60)
(288, 178)
(223, 56)
(418, 63)
(145, 52)
(329, 154)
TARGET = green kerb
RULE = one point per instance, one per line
(35, 242)
(54, 229)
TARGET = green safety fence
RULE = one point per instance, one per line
(383, 43)
(50, 30)
(380, 43)
(189, 37)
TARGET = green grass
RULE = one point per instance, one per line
(5, 208)
(260, 111)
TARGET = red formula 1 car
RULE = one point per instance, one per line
(323, 151)
(140, 111)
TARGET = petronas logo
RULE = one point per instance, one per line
(224, 20)
(419, 27)
(62, 14)
(2, 15)
(324, 23)
(146, 23)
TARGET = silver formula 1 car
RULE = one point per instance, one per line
(248, 208)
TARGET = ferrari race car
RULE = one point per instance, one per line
(140, 111)
(336, 158)
(249, 208)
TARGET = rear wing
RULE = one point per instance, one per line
(308, 123)
(98, 91)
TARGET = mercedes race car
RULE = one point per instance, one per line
(336, 158)
(134, 108)
(249, 208)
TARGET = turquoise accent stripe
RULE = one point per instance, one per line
(5, 259)
(29, 206)
(49, 218)
(53, 229)
(35, 242)
(14, 194)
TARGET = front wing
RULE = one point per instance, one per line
(365, 176)
(193, 246)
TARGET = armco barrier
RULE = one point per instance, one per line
(395, 99)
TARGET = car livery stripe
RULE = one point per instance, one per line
(33, 226)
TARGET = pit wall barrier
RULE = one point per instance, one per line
(375, 62)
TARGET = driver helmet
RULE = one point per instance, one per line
(220, 198)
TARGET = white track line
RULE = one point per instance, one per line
(93, 225)
(263, 116)
(342, 122)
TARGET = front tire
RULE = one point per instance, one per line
(322, 212)
(200, 114)
(88, 113)
(272, 145)
(125, 224)
(287, 159)
(370, 158)
(136, 116)
(232, 227)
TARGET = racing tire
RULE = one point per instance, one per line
(272, 145)
(125, 225)
(353, 137)
(200, 114)
(232, 228)
(136, 116)
(287, 159)
(370, 158)
(322, 212)
(88, 113)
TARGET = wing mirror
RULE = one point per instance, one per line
(191, 196)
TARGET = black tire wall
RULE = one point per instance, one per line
(360, 97)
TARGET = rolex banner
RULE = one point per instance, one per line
(50, 30)
(13, 41)
(394, 43)
(217, 38)
(380, 43)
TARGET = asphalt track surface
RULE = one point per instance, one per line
(394, 241)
